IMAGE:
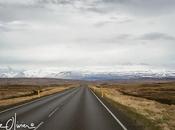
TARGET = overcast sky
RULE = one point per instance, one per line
(87, 33)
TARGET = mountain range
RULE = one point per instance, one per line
(85, 75)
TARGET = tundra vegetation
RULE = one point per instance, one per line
(151, 104)
(11, 95)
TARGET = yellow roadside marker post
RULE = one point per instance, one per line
(102, 94)
(38, 93)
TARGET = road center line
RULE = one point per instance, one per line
(124, 128)
(60, 106)
(53, 112)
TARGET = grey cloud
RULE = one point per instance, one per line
(114, 21)
(35, 3)
(106, 40)
(11, 60)
(22, 11)
(4, 29)
(55, 1)
(156, 36)
(32, 9)
(13, 25)
(14, 13)
(103, 6)
(141, 7)
(92, 28)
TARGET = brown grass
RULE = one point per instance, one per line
(135, 97)
(12, 95)
(161, 92)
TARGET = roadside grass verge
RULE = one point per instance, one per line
(28, 94)
(147, 114)
(138, 119)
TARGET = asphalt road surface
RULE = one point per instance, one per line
(73, 109)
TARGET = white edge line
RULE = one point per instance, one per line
(35, 100)
(124, 128)
(39, 125)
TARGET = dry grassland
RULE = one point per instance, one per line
(154, 102)
(16, 94)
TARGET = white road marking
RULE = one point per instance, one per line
(53, 112)
(18, 106)
(124, 128)
(35, 100)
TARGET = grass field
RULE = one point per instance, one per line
(15, 94)
(148, 103)
(161, 92)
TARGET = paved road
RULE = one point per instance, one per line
(74, 109)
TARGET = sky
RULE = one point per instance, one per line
(77, 34)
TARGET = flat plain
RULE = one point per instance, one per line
(149, 103)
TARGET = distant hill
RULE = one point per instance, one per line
(86, 75)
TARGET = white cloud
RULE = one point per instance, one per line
(87, 33)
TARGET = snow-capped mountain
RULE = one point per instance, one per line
(86, 75)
